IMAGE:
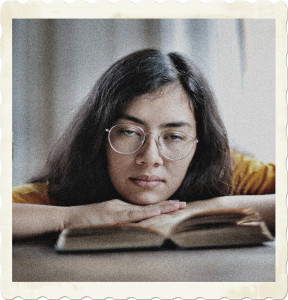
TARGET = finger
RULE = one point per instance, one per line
(169, 206)
(139, 213)
(182, 204)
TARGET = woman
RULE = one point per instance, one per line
(148, 132)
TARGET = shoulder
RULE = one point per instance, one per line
(251, 176)
(32, 193)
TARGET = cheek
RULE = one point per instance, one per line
(117, 165)
(112, 163)
(177, 173)
(179, 169)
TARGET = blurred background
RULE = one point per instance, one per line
(56, 63)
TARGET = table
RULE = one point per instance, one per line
(38, 261)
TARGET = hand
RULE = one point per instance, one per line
(115, 212)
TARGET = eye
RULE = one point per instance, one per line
(174, 137)
(129, 132)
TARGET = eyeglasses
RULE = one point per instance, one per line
(173, 144)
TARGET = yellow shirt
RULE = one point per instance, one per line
(32, 193)
(249, 177)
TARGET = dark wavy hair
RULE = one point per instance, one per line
(76, 168)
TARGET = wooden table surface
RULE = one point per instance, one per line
(40, 262)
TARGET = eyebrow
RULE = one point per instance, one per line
(164, 125)
(131, 118)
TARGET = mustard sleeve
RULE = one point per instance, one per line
(250, 176)
(34, 193)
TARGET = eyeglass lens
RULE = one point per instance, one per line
(173, 144)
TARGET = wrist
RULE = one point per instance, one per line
(67, 217)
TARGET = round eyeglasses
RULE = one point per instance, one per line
(173, 144)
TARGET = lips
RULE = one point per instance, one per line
(146, 181)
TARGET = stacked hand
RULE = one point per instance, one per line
(115, 212)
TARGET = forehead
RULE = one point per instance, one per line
(168, 104)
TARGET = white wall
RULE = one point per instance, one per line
(238, 58)
(245, 85)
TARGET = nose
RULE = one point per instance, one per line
(149, 153)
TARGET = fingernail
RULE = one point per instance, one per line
(182, 204)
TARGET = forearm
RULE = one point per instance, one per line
(31, 220)
(263, 204)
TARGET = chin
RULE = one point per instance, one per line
(145, 199)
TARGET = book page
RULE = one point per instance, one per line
(197, 213)
(166, 222)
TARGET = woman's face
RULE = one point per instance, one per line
(146, 176)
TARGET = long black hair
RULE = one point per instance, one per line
(76, 168)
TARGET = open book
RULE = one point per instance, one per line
(187, 228)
